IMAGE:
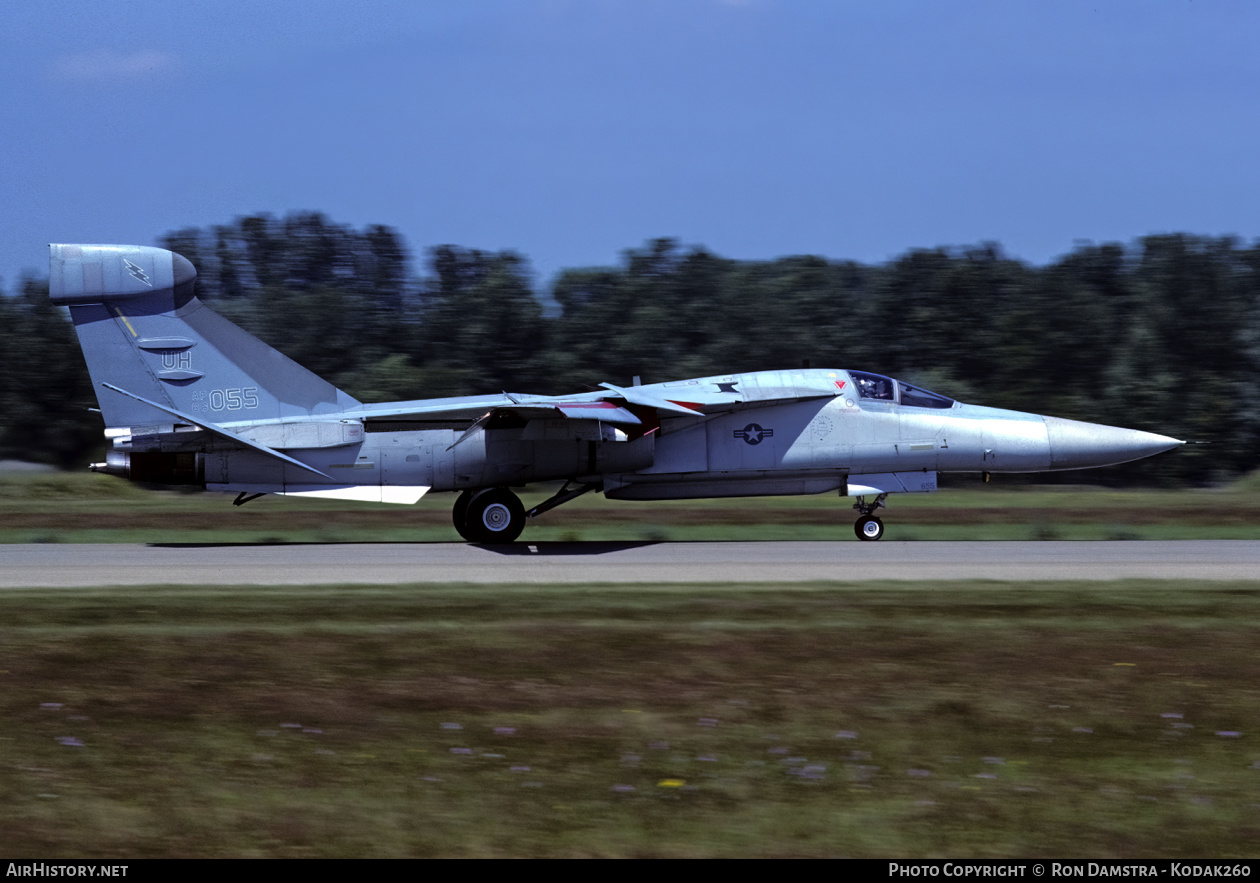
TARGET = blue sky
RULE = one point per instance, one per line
(569, 130)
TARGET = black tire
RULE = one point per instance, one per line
(495, 515)
(459, 514)
(869, 528)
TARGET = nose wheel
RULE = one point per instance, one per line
(868, 527)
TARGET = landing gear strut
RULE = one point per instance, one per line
(491, 515)
(868, 527)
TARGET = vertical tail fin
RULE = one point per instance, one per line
(143, 330)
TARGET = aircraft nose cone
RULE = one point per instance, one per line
(1077, 445)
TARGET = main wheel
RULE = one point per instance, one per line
(869, 528)
(494, 515)
(459, 515)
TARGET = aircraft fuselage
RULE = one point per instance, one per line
(747, 448)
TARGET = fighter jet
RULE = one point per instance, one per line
(189, 398)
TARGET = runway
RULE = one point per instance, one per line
(52, 565)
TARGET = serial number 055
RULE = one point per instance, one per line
(232, 399)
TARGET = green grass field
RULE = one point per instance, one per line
(84, 507)
(937, 719)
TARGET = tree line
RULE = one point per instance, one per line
(1160, 334)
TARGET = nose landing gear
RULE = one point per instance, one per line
(868, 527)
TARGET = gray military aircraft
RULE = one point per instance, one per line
(189, 398)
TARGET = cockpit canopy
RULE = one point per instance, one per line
(879, 387)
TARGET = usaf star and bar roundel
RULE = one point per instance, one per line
(753, 433)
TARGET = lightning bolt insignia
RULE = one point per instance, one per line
(137, 273)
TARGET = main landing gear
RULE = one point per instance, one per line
(868, 527)
(495, 514)
(490, 515)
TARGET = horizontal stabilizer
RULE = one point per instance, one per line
(220, 431)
